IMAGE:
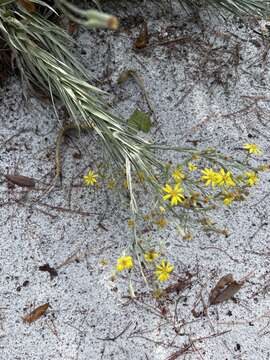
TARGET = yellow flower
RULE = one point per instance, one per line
(175, 194)
(91, 178)
(161, 222)
(104, 262)
(195, 157)
(192, 167)
(162, 209)
(131, 223)
(146, 217)
(163, 271)
(210, 176)
(228, 198)
(150, 255)
(252, 178)
(188, 236)
(265, 167)
(141, 176)
(111, 184)
(253, 149)
(178, 175)
(226, 178)
(124, 262)
(157, 293)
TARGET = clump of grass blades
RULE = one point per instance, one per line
(44, 60)
(238, 7)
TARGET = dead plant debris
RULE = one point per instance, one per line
(143, 39)
(36, 314)
(47, 268)
(21, 181)
(224, 290)
(179, 286)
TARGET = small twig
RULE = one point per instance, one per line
(67, 210)
(78, 255)
(211, 336)
(197, 350)
(58, 168)
(113, 338)
(217, 248)
(177, 354)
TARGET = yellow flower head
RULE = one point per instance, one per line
(111, 184)
(131, 223)
(162, 209)
(265, 167)
(192, 167)
(228, 199)
(252, 178)
(178, 175)
(124, 262)
(188, 236)
(195, 157)
(253, 149)
(141, 176)
(174, 194)
(151, 255)
(210, 177)
(226, 178)
(146, 217)
(161, 222)
(103, 262)
(91, 178)
(163, 271)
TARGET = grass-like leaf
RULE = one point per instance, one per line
(44, 60)
(238, 7)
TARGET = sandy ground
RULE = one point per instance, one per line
(212, 86)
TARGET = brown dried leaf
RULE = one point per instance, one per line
(142, 40)
(124, 76)
(72, 27)
(224, 290)
(22, 181)
(28, 5)
(36, 314)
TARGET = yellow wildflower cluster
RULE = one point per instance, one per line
(223, 178)
(220, 178)
(252, 149)
(162, 271)
(227, 181)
